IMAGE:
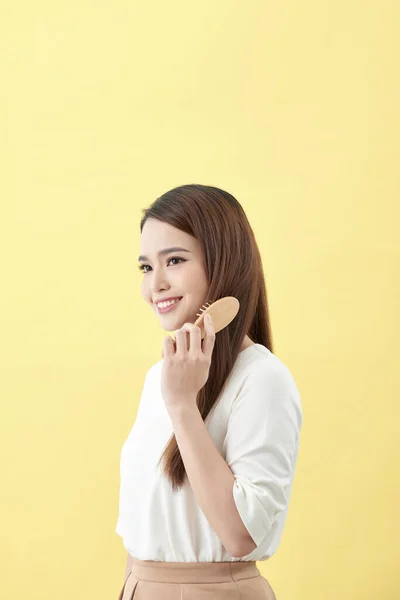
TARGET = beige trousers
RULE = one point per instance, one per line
(155, 580)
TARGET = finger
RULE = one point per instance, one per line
(181, 338)
(209, 339)
(168, 347)
(194, 338)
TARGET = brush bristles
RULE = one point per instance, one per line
(203, 308)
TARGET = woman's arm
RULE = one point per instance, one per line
(211, 479)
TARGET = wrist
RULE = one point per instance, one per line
(179, 408)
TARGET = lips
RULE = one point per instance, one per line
(168, 308)
(168, 299)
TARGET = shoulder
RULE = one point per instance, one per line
(154, 370)
(263, 376)
(260, 366)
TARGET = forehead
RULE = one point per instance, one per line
(157, 235)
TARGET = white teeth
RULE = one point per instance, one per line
(165, 304)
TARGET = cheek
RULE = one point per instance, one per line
(195, 279)
(201, 285)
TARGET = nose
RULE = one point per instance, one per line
(159, 284)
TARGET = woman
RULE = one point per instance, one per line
(208, 467)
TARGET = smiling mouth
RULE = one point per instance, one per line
(169, 307)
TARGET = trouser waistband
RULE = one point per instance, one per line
(193, 572)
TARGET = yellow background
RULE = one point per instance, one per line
(292, 107)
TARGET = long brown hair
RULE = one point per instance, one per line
(233, 268)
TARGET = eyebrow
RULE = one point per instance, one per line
(165, 251)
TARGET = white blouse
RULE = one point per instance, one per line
(255, 426)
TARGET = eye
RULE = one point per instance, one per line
(142, 267)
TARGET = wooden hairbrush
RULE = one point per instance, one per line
(222, 312)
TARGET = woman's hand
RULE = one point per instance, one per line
(185, 370)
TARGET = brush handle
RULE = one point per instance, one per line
(222, 312)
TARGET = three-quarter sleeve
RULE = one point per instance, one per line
(261, 446)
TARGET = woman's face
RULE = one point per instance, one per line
(165, 276)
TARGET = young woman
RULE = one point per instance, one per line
(208, 466)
